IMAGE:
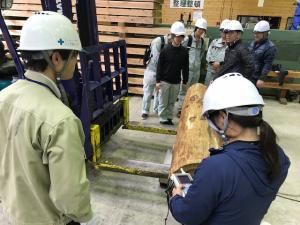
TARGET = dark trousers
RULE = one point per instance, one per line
(73, 223)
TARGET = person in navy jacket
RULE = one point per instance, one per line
(238, 182)
(263, 52)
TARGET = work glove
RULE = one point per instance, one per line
(94, 221)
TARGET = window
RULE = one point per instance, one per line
(250, 21)
(289, 23)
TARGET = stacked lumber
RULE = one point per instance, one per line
(194, 136)
(217, 10)
(136, 21)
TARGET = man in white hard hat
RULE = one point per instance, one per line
(196, 47)
(149, 81)
(237, 56)
(173, 61)
(263, 52)
(42, 172)
(216, 53)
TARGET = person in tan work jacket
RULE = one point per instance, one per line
(42, 171)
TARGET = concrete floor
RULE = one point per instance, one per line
(121, 199)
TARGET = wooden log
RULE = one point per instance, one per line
(194, 136)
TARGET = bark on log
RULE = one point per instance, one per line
(194, 136)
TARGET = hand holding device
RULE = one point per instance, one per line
(182, 180)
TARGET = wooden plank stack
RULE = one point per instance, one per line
(136, 21)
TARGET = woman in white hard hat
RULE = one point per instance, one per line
(263, 52)
(196, 47)
(216, 53)
(42, 172)
(173, 62)
(237, 56)
(238, 182)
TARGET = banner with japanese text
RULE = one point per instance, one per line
(194, 4)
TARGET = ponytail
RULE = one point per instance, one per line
(267, 143)
(269, 149)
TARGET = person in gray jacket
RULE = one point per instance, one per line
(196, 48)
(149, 81)
(216, 53)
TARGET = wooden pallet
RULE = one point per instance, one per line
(135, 21)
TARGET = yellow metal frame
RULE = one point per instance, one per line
(128, 166)
(125, 102)
(95, 132)
(141, 127)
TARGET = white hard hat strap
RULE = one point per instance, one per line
(221, 132)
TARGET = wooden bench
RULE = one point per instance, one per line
(288, 84)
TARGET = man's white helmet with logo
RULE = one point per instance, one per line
(177, 28)
(234, 25)
(224, 23)
(229, 92)
(201, 23)
(47, 31)
(262, 26)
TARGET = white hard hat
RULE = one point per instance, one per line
(234, 25)
(201, 23)
(229, 91)
(177, 28)
(262, 26)
(47, 31)
(224, 23)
